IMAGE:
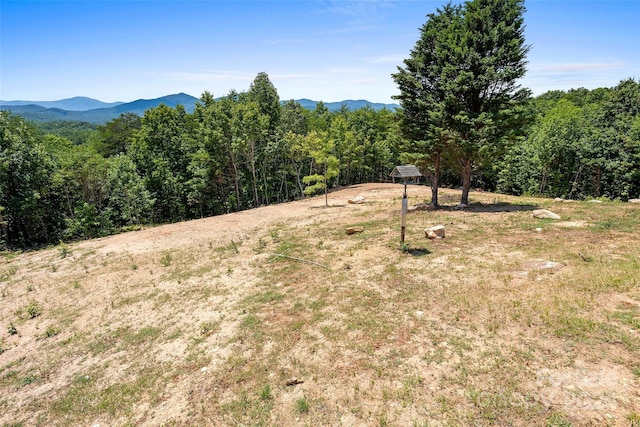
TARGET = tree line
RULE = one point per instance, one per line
(247, 149)
(464, 120)
(243, 150)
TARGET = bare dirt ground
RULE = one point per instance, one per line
(509, 320)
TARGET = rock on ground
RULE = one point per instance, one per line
(354, 230)
(436, 232)
(544, 213)
(421, 207)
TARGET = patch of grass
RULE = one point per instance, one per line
(207, 328)
(63, 250)
(233, 247)
(33, 309)
(302, 405)
(265, 392)
(558, 419)
(263, 298)
(8, 272)
(634, 419)
(166, 259)
(26, 380)
(88, 397)
(51, 331)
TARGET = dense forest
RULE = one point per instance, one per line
(69, 181)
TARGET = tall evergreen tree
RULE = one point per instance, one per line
(460, 84)
(424, 88)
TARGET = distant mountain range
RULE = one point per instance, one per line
(83, 109)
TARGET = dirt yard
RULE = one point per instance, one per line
(275, 316)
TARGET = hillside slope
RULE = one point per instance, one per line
(275, 316)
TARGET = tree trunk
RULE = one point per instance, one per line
(235, 182)
(466, 181)
(264, 180)
(435, 181)
(326, 187)
(254, 184)
(574, 187)
(298, 181)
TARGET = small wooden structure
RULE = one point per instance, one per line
(406, 172)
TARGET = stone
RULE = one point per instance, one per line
(293, 381)
(543, 213)
(538, 230)
(461, 206)
(436, 232)
(421, 207)
(354, 230)
(595, 201)
(634, 200)
(558, 199)
(357, 200)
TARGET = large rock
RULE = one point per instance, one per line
(354, 230)
(634, 200)
(357, 200)
(421, 207)
(436, 232)
(543, 213)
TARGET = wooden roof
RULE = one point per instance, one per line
(406, 171)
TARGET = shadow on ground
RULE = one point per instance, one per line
(490, 207)
(418, 252)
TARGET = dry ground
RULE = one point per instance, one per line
(207, 322)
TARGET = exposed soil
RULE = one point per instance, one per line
(175, 301)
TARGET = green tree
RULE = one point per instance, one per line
(161, 151)
(460, 84)
(29, 206)
(116, 135)
(425, 88)
(130, 202)
(320, 148)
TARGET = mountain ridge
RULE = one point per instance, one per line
(48, 111)
(77, 103)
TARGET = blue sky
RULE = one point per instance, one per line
(323, 50)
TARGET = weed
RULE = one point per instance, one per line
(33, 310)
(636, 372)
(51, 331)
(634, 419)
(166, 259)
(26, 380)
(134, 267)
(11, 330)
(63, 250)
(558, 420)
(261, 245)
(302, 405)
(30, 288)
(207, 328)
(76, 285)
(265, 392)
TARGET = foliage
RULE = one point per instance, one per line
(580, 146)
(320, 148)
(459, 88)
(246, 149)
